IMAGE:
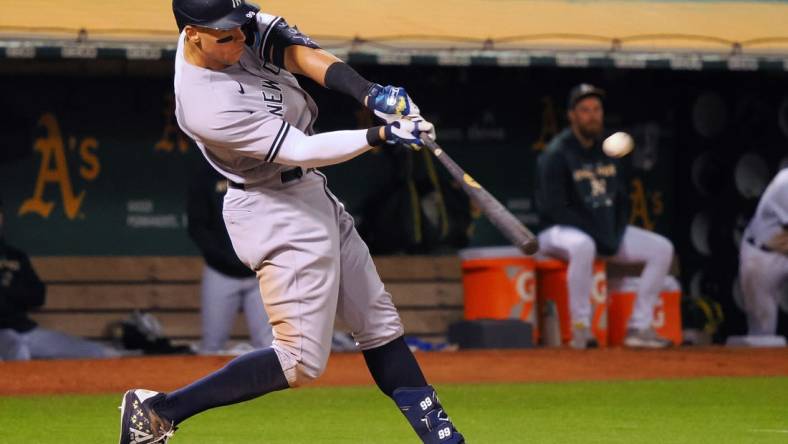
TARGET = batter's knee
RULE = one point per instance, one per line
(300, 369)
(307, 373)
(368, 340)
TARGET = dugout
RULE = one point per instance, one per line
(700, 85)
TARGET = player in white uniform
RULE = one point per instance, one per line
(237, 98)
(763, 259)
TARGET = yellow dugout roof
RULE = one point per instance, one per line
(706, 26)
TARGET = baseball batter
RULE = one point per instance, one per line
(583, 200)
(763, 258)
(238, 99)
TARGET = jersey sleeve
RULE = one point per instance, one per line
(259, 135)
(269, 36)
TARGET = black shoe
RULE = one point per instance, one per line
(139, 424)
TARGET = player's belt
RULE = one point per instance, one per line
(286, 176)
(751, 241)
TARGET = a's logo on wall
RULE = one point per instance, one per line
(54, 170)
(645, 205)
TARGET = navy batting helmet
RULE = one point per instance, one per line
(216, 14)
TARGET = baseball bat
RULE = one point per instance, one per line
(503, 219)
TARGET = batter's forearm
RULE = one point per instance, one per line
(324, 149)
(389, 103)
(309, 62)
(327, 70)
(343, 78)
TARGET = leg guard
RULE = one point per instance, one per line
(425, 414)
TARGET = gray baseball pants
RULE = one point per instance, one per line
(638, 246)
(312, 266)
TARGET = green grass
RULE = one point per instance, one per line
(714, 410)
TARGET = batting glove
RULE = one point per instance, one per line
(408, 132)
(390, 103)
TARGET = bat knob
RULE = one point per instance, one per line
(530, 247)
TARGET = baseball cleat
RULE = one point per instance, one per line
(645, 338)
(582, 338)
(139, 423)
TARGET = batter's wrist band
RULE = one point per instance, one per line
(343, 78)
(373, 136)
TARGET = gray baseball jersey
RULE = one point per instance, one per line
(241, 116)
(309, 259)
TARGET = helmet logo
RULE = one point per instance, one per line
(237, 3)
(250, 14)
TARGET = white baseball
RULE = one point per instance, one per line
(618, 144)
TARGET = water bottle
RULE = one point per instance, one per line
(551, 325)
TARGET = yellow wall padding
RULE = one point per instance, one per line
(703, 25)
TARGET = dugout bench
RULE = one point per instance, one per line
(86, 295)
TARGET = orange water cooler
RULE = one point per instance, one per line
(499, 283)
(667, 312)
(553, 298)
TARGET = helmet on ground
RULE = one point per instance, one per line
(216, 14)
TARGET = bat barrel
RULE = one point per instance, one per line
(529, 247)
(498, 215)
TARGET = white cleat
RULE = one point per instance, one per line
(646, 338)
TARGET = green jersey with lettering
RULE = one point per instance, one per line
(584, 188)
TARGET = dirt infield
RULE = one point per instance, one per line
(540, 365)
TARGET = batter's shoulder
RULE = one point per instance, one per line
(268, 36)
(195, 108)
(219, 93)
(205, 119)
